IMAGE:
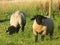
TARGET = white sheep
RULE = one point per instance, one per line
(17, 20)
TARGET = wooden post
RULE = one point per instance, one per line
(50, 8)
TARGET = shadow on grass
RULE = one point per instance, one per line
(4, 20)
(55, 38)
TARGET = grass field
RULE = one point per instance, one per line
(26, 38)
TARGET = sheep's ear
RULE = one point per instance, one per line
(33, 18)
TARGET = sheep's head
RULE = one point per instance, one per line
(39, 19)
(11, 30)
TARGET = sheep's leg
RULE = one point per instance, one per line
(43, 32)
(18, 27)
(23, 25)
(43, 35)
(17, 30)
(22, 28)
(51, 35)
(36, 37)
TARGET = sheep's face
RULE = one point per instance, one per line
(11, 30)
(39, 19)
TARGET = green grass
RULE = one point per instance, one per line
(26, 38)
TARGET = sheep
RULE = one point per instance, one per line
(43, 25)
(17, 20)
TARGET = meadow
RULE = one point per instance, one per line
(26, 38)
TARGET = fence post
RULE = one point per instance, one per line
(50, 2)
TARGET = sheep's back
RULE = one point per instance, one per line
(50, 25)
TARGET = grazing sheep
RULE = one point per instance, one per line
(17, 20)
(42, 25)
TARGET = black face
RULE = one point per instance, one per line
(11, 30)
(39, 19)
